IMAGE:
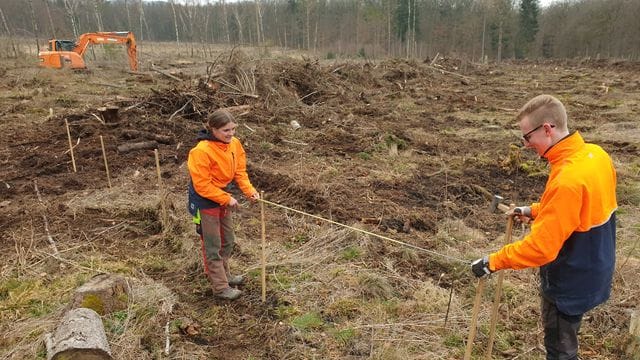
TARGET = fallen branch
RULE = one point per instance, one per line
(165, 73)
(294, 142)
(46, 222)
(182, 108)
(449, 72)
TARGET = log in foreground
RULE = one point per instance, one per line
(80, 335)
(145, 145)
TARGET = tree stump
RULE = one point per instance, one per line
(104, 294)
(80, 335)
(109, 114)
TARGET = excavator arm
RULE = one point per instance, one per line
(56, 58)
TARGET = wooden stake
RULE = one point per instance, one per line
(163, 207)
(264, 246)
(106, 165)
(474, 318)
(73, 160)
(498, 293)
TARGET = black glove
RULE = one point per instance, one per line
(480, 267)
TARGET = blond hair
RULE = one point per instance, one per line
(544, 108)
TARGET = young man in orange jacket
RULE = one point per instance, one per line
(573, 235)
(216, 161)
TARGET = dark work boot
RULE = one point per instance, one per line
(233, 280)
(229, 294)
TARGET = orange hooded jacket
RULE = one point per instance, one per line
(212, 166)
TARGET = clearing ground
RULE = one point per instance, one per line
(405, 149)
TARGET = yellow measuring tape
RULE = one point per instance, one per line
(367, 232)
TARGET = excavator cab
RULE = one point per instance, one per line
(61, 45)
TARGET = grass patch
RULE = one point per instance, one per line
(344, 336)
(308, 321)
(350, 253)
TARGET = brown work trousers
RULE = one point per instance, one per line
(217, 238)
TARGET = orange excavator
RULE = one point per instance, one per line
(71, 53)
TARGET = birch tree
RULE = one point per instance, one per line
(71, 6)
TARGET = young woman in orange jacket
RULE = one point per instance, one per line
(216, 161)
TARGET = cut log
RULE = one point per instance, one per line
(80, 335)
(144, 145)
(133, 134)
(104, 294)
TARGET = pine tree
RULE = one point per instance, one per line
(528, 26)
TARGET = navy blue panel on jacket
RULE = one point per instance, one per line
(580, 277)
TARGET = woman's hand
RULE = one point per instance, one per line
(233, 203)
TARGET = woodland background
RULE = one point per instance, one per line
(471, 29)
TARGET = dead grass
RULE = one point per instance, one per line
(332, 293)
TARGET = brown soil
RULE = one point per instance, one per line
(456, 141)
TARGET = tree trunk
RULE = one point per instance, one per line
(98, 17)
(499, 58)
(80, 335)
(484, 30)
(259, 34)
(237, 16)
(53, 29)
(72, 16)
(388, 27)
(175, 22)
(308, 10)
(35, 25)
(226, 21)
(126, 8)
(6, 27)
(408, 35)
(143, 21)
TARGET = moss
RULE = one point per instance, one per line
(94, 303)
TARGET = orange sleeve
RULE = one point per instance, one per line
(535, 208)
(557, 217)
(201, 168)
(241, 177)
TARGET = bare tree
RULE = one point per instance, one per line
(175, 21)
(237, 16)
(126, 8)
(6, 27)
(226, 21)
(143, 21)
(259, 28)
(71, 6)
(52, 28)
(98, 16)
(34, 23)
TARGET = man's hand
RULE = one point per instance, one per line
(255, 196)
(480, 267)
(521, 214)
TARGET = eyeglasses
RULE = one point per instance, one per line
(528, 135)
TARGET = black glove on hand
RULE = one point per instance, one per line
(480, 267)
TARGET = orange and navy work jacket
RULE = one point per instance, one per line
(212, 166)
(573, 236)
